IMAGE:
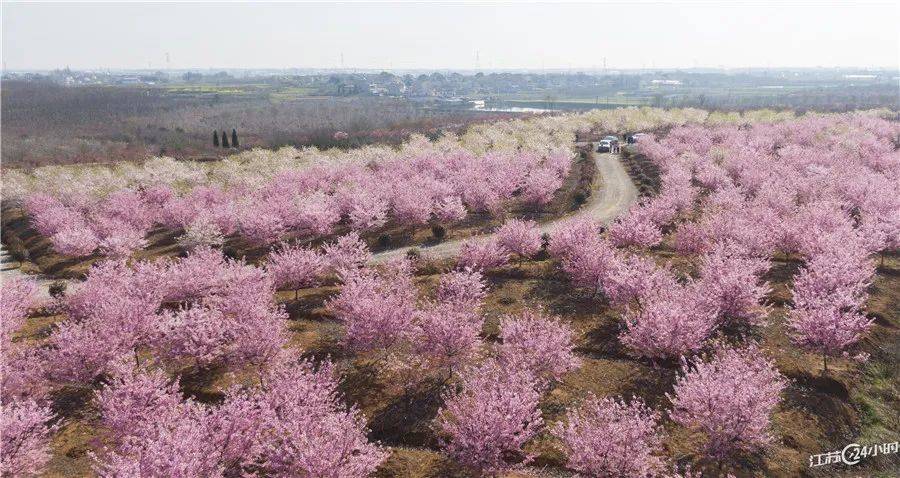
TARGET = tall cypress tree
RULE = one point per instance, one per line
(224, 140)
(215, 138)
(234, 141)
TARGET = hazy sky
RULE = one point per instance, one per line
(443, 35)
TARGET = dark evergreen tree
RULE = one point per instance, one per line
(216, 139)
(224, 139)
(234, 141)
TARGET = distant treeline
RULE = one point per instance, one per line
(824, 99)
(49, 124)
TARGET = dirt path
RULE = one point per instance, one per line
(10, 268)
(612, 197)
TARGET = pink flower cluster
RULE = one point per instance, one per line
(292, 424)
(538, 344)
(730, 398)
(822, 187)
(522, 238)
(78, 226)
(486, 423)
(203, 308)
(829, 293)
(26, 420)
(662, 317)
(611, 438)
(410, 187)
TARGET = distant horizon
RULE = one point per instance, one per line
(609, 71)
(457, 37)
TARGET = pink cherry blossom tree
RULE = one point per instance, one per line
(21, 366)
(25, 442)
(486, 423)
(261, 226)
(445, 335)
(376, 307)
(539, 344)
(589, 264)
(200, 334)
(828, 296)
(347, 254)
(152, 430)
(296, 267)
(201, 232)
(540, 185)
(520, 237)
(571, 234)
(122, 241)
(462, 287)
(632, 277)
(449, 210)
(291, 425)
(411, 205)
(315, 214)
(16, 297)
(303, 427)
(635, 228)
(75, 241)
(731, 281)
(668, 322)
(367, 210)
(482, 254)
(730, 399)
(612, 438)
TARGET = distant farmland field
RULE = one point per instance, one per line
(48, 124)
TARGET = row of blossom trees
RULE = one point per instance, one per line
(134, 330)
(290, 420)
(264, 195)
(821, 189)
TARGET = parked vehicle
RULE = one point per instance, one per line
(610, 144)
(636, 137)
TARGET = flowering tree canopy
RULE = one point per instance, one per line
(730, 399)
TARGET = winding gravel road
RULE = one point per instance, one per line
(10, 269)
(614, 194)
